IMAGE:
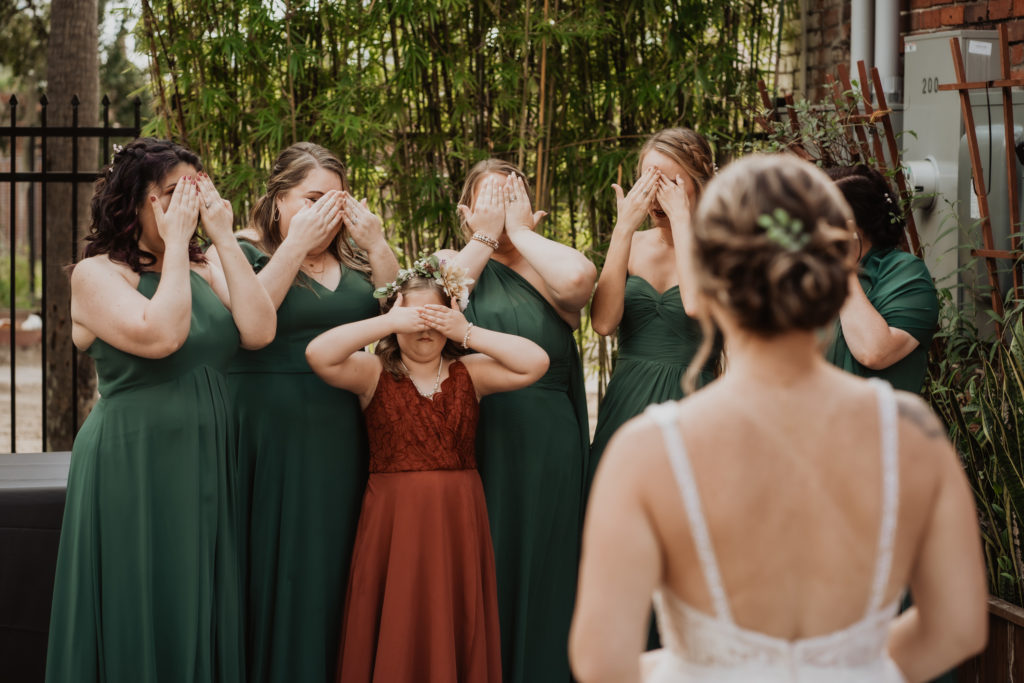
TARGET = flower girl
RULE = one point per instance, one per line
(422, 602)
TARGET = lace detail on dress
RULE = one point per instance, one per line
(700, 646)
(445, 427)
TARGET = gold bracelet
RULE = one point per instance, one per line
(489, 241)
(465, 337)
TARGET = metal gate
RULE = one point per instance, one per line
(27, 147)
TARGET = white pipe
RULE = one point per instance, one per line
(861, 35)
(887, 42)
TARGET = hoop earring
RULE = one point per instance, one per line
(276, 216)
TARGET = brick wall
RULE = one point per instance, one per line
(827, 30)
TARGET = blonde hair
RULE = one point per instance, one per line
(387, 348)
(290, 168)
(771, 284)
(476, 175)
(687, 148)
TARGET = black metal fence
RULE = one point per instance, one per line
(28, 147)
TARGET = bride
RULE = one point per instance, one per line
(779, 514)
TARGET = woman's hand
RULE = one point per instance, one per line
(313, 227)
(214, 211)
(519, 214)
(632, 207)
(365, 227)
(177, 225)
(674, 199)
(488, 213)
(404, 320)
(448, 321)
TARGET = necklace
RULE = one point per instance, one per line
(307, 264)
(437, 380)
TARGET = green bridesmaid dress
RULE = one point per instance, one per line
(303, 459)
(657, 341)
(532, 447)
(148, 586)
(900, 288)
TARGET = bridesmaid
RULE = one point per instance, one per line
(531, 444)
(302, 444)
(638, 292)
(148, 586)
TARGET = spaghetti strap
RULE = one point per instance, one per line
(664, 415)
(889, 443)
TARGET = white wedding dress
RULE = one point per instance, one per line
(714, 649)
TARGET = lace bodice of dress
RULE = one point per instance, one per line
(410, 433)
(715, 642)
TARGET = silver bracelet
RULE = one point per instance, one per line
(489, 241)
(465, 337)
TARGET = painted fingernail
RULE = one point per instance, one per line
(152, 199)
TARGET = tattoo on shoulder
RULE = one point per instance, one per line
(917, 411)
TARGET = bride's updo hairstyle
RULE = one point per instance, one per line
(772, 245)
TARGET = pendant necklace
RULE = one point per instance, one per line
(437, 380)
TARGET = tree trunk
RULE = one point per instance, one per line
(72, 70)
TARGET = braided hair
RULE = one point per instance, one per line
(687, 148)
(121, 191)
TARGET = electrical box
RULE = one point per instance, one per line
(932, 130)
(987, 107)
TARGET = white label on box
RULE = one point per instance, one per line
(977, 47)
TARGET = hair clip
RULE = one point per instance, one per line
(888, 199)
(784, 230)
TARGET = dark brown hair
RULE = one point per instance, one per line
(875, 209)
(121, 191)
(290, 168)
(387, 348)
(771, 285)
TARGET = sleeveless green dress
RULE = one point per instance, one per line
(148, 586)
(657, 341)
(900, 288)
(303, 458)
(532, 447)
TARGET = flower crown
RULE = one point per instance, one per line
(450, 277)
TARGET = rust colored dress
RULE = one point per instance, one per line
(422, 602)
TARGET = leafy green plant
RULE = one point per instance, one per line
(411, 93)
(976, 385)
(25, 298)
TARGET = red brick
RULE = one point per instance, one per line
(999, 9)
(1017, 55)
(831, 17)
(1015, 31)
(1018, 8)
(977, 12)
(952, 16)
(928, 19)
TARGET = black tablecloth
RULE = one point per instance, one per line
(32, 488)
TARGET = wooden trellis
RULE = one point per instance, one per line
(989, 253)
(864, 132)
